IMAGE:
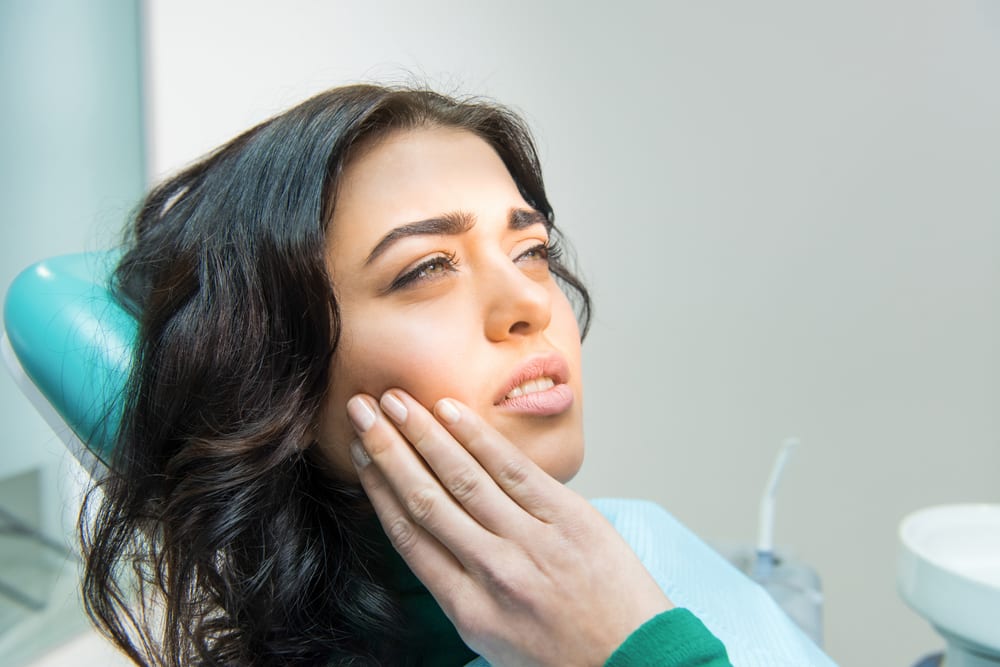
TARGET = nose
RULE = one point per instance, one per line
(516, 304)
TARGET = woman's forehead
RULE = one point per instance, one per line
(419, 174)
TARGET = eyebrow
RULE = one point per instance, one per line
(452, 224)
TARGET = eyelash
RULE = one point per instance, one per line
(550, 252)
(449, 260)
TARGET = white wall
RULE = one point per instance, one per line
(787, 212)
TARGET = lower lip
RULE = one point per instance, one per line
(554, 401)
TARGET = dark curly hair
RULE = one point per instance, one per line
(218, 536)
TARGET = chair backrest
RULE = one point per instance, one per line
(68, 343)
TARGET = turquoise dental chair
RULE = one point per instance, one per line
(67, 342)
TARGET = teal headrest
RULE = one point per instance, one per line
(74, 341)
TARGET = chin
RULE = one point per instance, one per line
(559, 459)
(566, 472)
(555, 444)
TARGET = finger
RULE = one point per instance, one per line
(457, 470)
(429, 560)
(416, 489)
(520, 478)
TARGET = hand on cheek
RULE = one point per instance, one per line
(527, 570)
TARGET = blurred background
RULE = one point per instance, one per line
(787, 214)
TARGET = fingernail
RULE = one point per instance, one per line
(447, 411)
(393, 407)
(361, 414)
(358, 455)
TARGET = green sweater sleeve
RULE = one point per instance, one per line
(675, 638)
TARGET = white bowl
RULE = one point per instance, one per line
(949, 571)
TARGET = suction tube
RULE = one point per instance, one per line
(765, 560)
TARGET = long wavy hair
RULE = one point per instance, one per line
(219, 536)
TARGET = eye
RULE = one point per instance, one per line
(429, 270)
(544, 252)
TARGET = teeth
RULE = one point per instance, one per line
(531, 387)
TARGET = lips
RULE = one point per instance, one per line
(537, 387)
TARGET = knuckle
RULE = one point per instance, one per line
(463, 486)
(402, 535)
(504, 583)
(420, 504)
(476, 434)
(377, 446)
(512, 474)
(374, 483)
(420, 434)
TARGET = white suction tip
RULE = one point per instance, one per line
(765, 526)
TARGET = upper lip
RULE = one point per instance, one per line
(551, 365)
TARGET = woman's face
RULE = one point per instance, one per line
(440, 271)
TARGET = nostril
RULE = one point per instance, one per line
(520, 327)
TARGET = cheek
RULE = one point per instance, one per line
(418, 354)
(414, 353)
(565, 330)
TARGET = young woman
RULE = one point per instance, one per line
(355, 323)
